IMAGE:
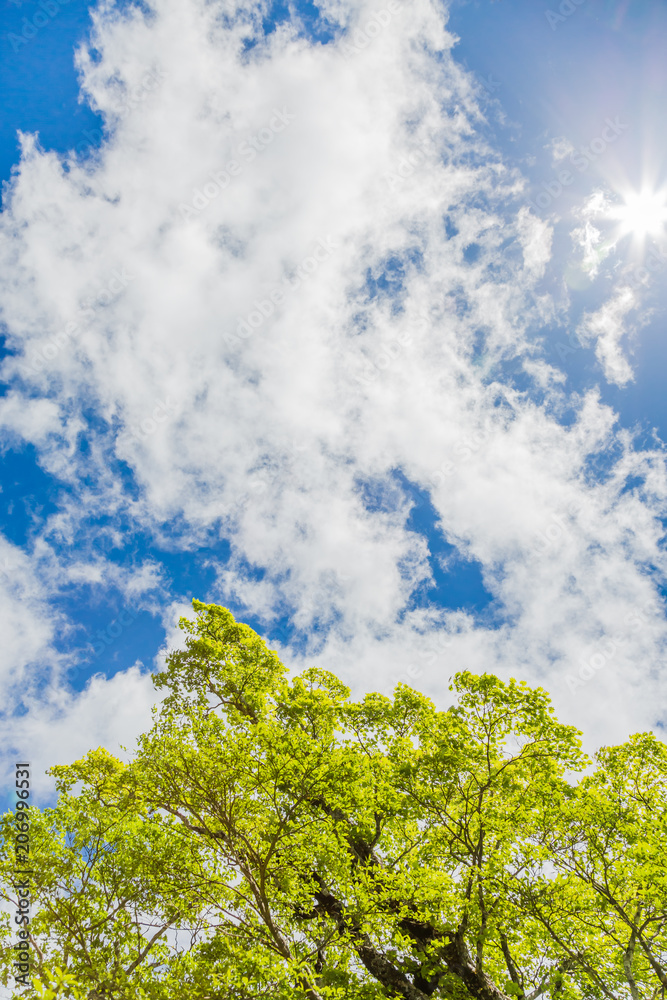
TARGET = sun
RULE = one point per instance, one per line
(642, 214)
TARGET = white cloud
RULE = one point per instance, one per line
(266, 414)
(27, 625)
(28, 420)
(560, 148)
(607, 327)
(535, 236)
(594, 249)
(63, 726)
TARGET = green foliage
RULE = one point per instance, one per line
(273, 839)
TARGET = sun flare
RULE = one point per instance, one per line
(643, 213)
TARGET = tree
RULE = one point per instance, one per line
(273, 839)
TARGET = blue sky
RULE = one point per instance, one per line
(441, 445)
